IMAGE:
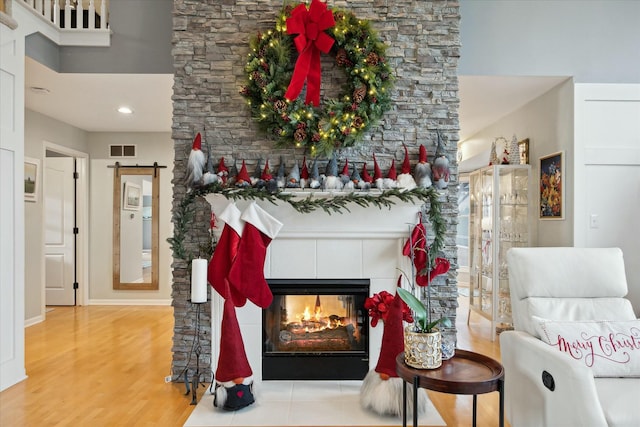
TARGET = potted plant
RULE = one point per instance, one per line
(422, 340)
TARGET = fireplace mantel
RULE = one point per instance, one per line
(364, 243)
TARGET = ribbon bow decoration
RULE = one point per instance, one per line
(310, 41)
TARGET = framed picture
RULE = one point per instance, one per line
(551, 191)
(132, 196)
(31, 171)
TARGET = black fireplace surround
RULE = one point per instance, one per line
(316, 329)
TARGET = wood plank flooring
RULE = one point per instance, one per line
(105, 366)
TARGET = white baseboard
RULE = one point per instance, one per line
(129, 302)
(34, 320)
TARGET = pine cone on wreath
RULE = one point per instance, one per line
(359, 94)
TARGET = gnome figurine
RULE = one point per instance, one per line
(304, 174)
(331, 180)
(223, 171)
(196, 163)
(440, 167)
(391, 181)
(381, 389)
(293, 179)
(243, 179)
(233, 376)
(345, 176)
(405, 179)
(422, 170)
(257, 172)
(210, 175)
(366, 178)
(280, 178)
(377, 174)
(314, 180)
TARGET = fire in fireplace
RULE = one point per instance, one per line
(316, 329)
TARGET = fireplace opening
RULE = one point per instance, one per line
(316, 329)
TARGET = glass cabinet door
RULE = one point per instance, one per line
(499, 220)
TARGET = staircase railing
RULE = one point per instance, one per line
(68, 14)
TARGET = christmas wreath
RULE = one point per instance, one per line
(283, 59)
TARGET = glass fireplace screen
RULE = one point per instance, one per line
(316, 325)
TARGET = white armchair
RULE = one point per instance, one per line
(543, 386)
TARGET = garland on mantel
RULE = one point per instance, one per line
(306, 202)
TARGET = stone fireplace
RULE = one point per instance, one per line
(210, 46)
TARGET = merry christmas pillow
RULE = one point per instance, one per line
(609, 348)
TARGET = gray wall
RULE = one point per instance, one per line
(595, 41)
(140, 43)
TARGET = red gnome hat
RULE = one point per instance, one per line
(365, 174)
(392, 170)
(406, 166)
(243, 177)
(232, 362)
(266, 174)
(392, 338)
(423, 154)
(197, 142)
(377, 173)
(345, 168)
(304, 173)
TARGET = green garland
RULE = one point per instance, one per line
(343, 121)
(184, 213)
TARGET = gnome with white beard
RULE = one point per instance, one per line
(405, 179)
(440, 167)
(196, 163)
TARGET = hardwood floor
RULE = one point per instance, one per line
(105, 366)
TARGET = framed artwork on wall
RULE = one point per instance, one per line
(132, 196)
(551, 191)
(31, 171)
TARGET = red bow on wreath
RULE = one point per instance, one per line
(310, 41)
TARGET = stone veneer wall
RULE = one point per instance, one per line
(210, 47)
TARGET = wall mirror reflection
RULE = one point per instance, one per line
(135, 227)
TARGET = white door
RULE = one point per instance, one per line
(59, 205)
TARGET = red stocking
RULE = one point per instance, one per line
(247, 271)
(224, 255)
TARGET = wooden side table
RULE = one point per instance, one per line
(465, 373)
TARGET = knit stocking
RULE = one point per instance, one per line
(247, 272)
(224, 255)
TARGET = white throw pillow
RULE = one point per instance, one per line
(609, 348)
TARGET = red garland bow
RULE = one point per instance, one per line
(310, 41)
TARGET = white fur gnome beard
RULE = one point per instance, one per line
(195, 166)
(384, 397)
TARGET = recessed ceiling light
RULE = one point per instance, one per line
(39, 90)
(125, 110)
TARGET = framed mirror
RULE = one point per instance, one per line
(136, 193)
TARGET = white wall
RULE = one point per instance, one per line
(548, 123)
(12, 228)
(38, 129)
(607, 173)
(595, 41)
(151, 147)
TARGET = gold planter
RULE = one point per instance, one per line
(422, 350)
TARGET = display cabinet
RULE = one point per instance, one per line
(499, 219)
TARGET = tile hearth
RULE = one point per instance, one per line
(302, 403)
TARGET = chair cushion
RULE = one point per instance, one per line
(566, 272)
(619, 399)
(609, 348)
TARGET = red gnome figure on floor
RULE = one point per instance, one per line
(381, 389)
(236, 273)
